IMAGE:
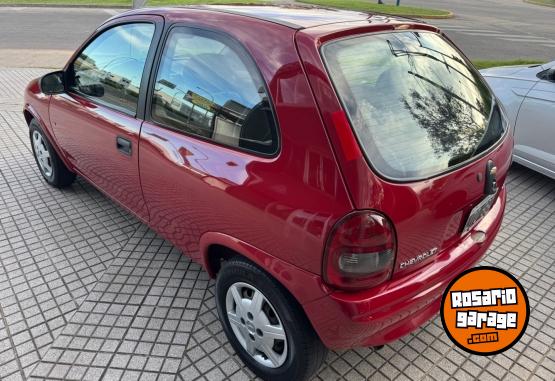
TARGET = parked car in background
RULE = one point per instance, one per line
(334, 170)
(528, 94)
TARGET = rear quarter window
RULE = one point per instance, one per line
(208, 86)
(417, 107)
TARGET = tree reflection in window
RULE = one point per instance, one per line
(416, 105)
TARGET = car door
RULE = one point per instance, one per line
(97, 121)
(535, 129)
(211, 130)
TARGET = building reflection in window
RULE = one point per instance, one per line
(207, 87)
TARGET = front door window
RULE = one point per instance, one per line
(109, 70)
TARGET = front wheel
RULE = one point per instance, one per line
(50, 165)
(267, 329)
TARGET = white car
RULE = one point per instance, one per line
(528, 94)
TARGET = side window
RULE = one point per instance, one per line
(207, 86)
(110, 68)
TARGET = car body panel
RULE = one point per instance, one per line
(390, 311)
(303, 285)
(535, 129)
(278, 211)
(530, 105)
(299, 193)
(36, 106)
(428, 215)
(511, 92)
(519, 72)
(87, 134)
(294, 17)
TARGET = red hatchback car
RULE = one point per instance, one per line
(334, 170)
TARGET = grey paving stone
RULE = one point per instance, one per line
(88, 293)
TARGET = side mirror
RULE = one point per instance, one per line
(53, 83)
(93, 90)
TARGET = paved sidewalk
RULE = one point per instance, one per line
(87, 292)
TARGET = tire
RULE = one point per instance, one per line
(297, 357)
(51, 167)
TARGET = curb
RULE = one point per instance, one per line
(450, 15)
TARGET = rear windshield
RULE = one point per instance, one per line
(416, 106)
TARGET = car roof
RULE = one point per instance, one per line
(292, 15)
(295, 16)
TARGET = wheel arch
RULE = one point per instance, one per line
(304, 286)
(30, 114)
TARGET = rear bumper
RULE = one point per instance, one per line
(388, 312)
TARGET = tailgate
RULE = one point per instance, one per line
(417, 131)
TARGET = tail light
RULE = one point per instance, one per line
(360, 251)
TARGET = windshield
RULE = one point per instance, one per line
(416, 106)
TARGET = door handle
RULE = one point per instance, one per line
(123, 145)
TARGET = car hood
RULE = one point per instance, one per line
(525, 72)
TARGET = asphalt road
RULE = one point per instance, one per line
(497, 29)
(484, 29)
(45, 37)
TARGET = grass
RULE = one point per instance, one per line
(152, 3)
(484, 64)
(69, 2)
(372, 6)
(359, 5)
(548, 3)
(127, 3)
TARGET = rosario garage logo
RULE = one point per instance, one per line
(485, 311)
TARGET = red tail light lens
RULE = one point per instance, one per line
(360, 251)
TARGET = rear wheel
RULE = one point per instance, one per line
(50, 165)
(267, 329)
